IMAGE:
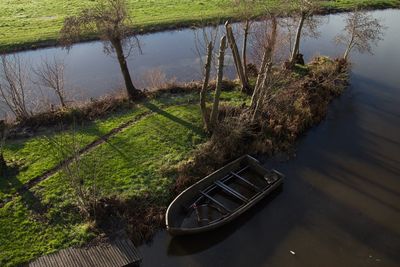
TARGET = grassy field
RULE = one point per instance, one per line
(44, 219)
(28, 24)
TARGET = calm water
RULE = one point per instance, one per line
(90, 73)
(340, 204)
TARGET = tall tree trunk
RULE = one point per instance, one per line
(236, 57)
(348, 49)
(244, 49)
(267, 59)
(262, 90)
(61, 97)
(296, 47)
(203, 92)
(221, 57)
(260, 78)
(133, 93)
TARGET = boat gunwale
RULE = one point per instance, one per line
(229, 217)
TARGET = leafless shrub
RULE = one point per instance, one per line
(13, 86)
(141, 216)
(50, 74)
(156, 79)
(81, 173)
(361, 31)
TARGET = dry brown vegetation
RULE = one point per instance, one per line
(294, 106)
(87, 111)
(141, 217)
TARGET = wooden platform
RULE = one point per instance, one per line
(120, 252)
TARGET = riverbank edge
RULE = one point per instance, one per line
(176, 26)
(143, 222)
(97, 109)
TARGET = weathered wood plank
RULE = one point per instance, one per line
(120, 252)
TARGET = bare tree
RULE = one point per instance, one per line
(205, 39)
(203, 92)
(266, 64)
(109, 19)
(361, 30)
(304, 10)
(244, 9)
(218, 87)
(50, 74)
(236, 57)
(81, 173)
(209, 120)
(13, 86)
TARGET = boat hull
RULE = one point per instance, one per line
(176, 210)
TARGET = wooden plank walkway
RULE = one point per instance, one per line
(120, 252)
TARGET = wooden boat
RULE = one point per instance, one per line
(221, 197)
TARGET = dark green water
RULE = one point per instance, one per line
(340, 204)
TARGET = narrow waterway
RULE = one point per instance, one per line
(340, 203)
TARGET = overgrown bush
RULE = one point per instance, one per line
(297, 104)
(140, 216)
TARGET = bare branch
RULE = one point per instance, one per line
(13, 88)
(109, 19)
(50, 74)
(362, 31)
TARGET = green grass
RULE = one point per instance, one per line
(26, 234)
(29, 23)
(44, 220)
(35, 155)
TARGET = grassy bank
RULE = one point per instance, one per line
(45, 219)
(162, 150)
(30, 24)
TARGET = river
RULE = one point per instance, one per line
(340, 202)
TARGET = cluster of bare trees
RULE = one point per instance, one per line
(19, 82)
(110, 20)
(360, 32)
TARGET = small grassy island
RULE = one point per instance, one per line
(74, 174)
